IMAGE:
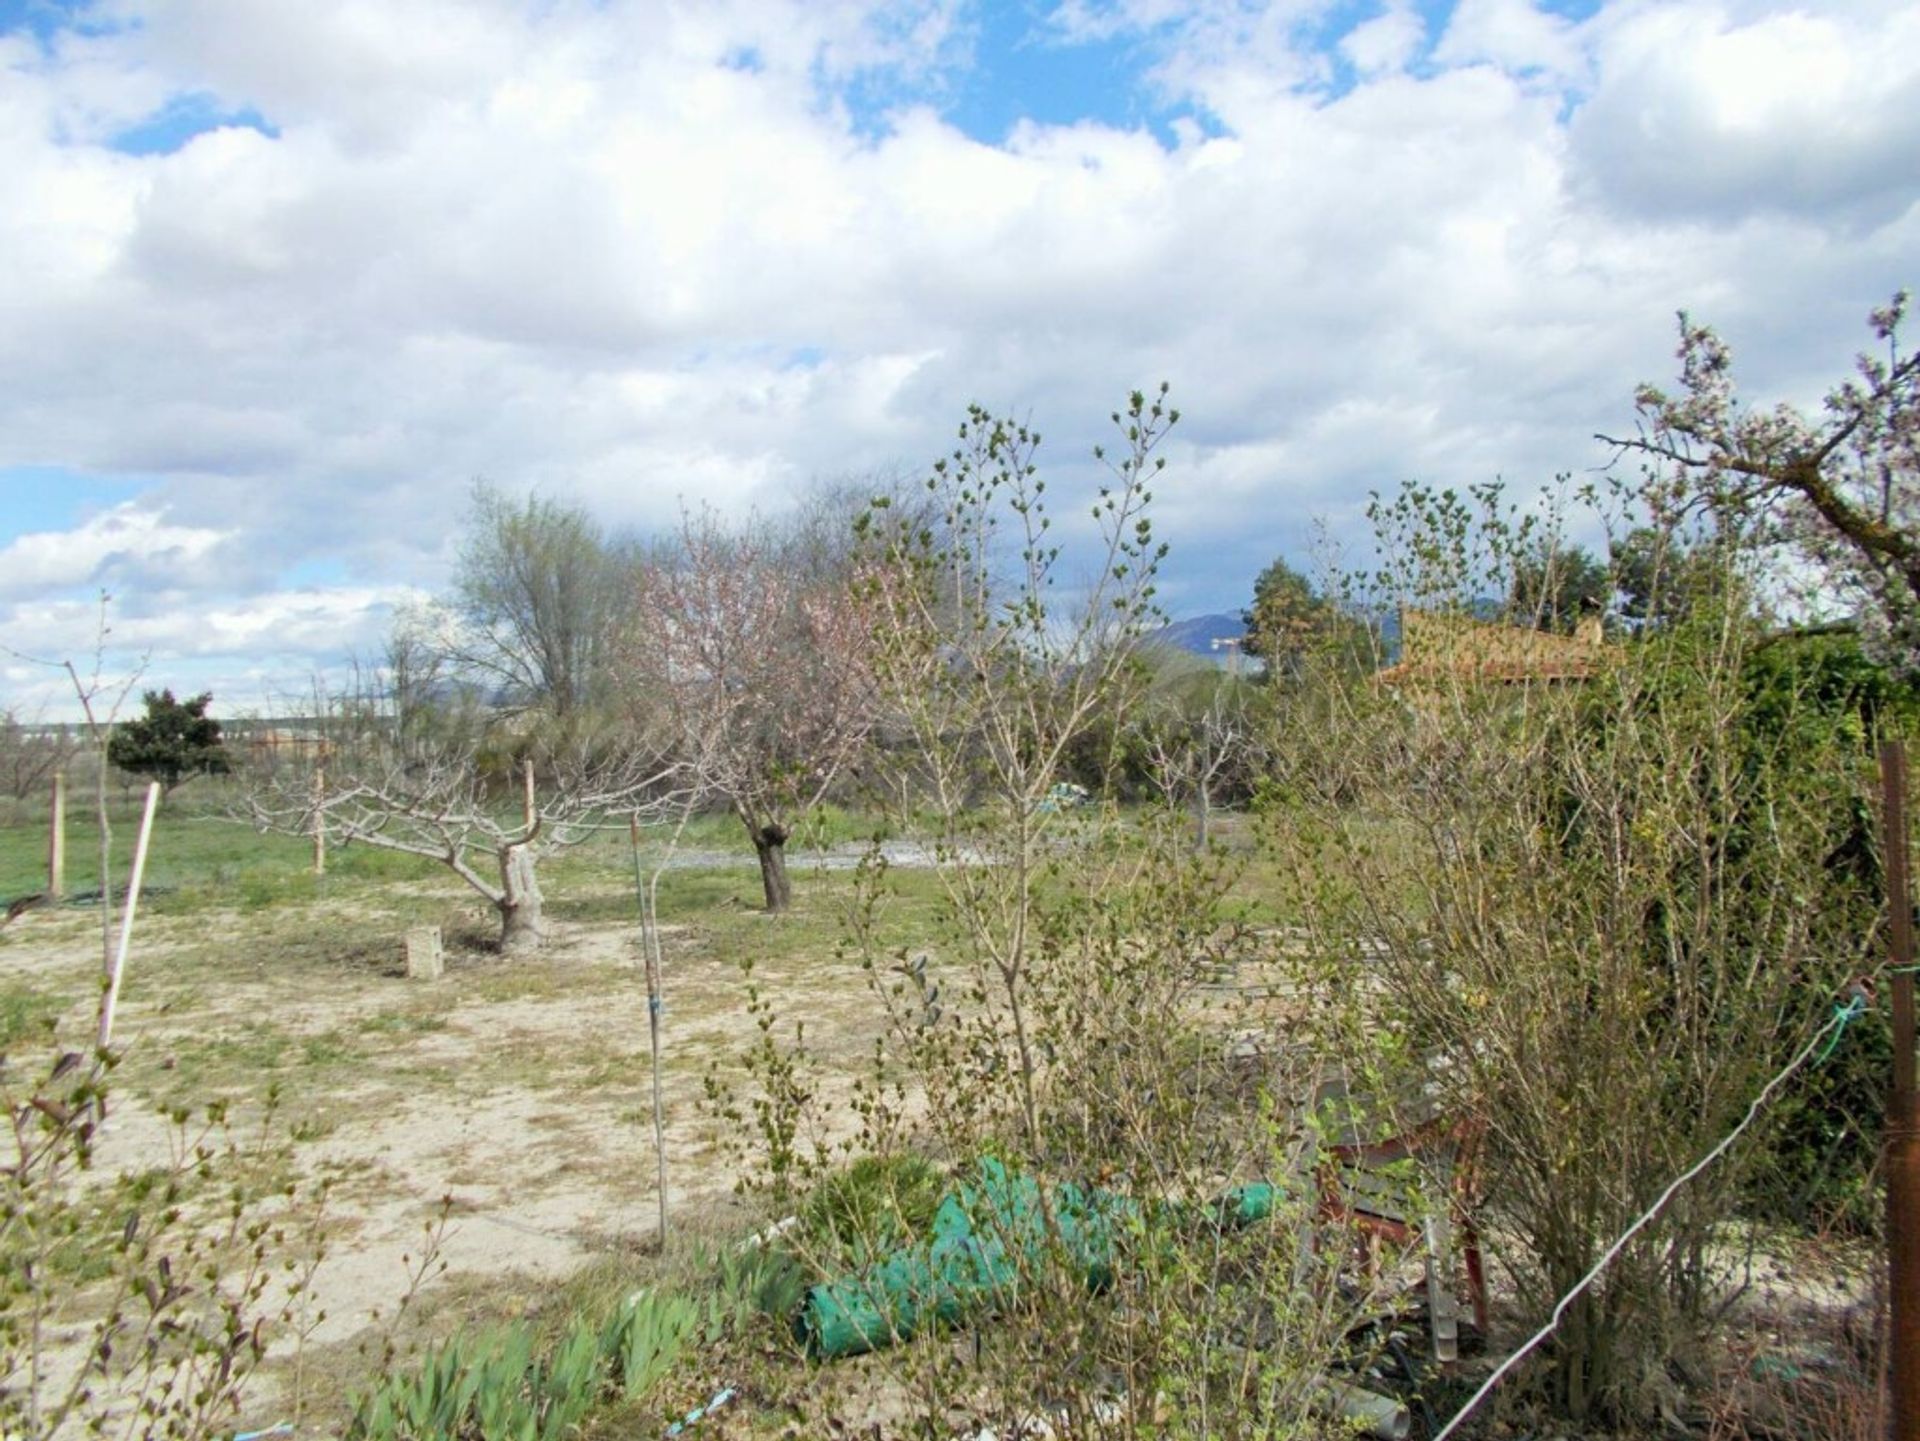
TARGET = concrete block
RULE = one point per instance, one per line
(426, 960)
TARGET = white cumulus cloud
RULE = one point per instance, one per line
(639, 254)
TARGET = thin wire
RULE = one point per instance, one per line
(1841, 1015)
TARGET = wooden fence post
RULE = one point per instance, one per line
(1902, 1138)
(57, 841)
(319, 821)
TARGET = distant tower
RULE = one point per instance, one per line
(1231, 645)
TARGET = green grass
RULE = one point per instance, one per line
(200, 858)
(27, 1011)
(391, 1023)
(195, 860)
(249, 1057)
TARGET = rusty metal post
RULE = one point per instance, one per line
(1903, 1118)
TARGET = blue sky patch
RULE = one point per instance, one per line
(1015, 67)
(43, 19)
(182, 118)
(315, 572)
(1021, 71)
(37, 498)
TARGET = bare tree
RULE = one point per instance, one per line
(100, 698)
(31, 750)
(760, 666)
(1197, 743)
(438, 797)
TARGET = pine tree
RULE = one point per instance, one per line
(174, 740)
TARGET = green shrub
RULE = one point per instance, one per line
(874, 1203)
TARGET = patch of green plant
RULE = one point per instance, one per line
(391, 1023)
(499, 1385)
(239, 1055)
(873, 1204)
(645, 1338)
(26, 1011)
(756, 1281)
(327, 1050)
(312, 1128)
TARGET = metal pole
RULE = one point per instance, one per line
(1903, 1118)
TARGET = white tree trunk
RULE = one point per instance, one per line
(523, 927)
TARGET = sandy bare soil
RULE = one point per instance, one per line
(519, 1089)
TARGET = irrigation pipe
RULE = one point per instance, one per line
(1856, 1003)
(111, 999)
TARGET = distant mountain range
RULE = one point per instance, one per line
(1197, 635)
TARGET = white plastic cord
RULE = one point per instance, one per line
(1841, 1015)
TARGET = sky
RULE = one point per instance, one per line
(279, 283)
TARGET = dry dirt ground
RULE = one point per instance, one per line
(519, 1089)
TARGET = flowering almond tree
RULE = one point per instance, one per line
(760, 664)
(1842, 488)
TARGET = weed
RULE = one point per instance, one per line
(26, 1012)
(393, 1023)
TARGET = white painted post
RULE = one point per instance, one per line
(119, 967)
(57, 841)
(319, 821)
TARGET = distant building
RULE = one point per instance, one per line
(1443, 648)
(278, 746)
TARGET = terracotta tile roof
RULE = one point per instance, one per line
(1439, 647)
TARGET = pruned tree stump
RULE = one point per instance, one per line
(426, 958)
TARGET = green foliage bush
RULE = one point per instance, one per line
(1598, 916)
(175, 739)
(1807, 696)
(138, 1302)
